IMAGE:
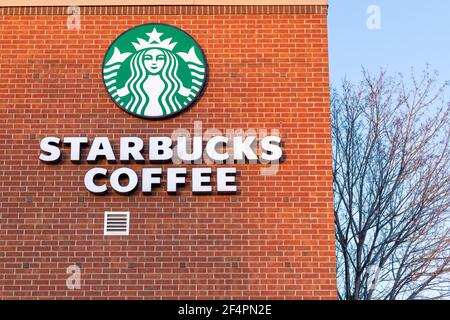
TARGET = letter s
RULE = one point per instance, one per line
(271, 148)
(50, 150)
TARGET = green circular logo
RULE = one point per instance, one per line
(154, 71)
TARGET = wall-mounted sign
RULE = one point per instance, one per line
(215, 150)
(154, 71)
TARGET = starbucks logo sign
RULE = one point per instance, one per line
(154, 71)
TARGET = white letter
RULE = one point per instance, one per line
(73, 20)
(242, 147)
(131, 146)
(175, 176)
(374, 20)
(50, 145)
(90, 177)
(373, 272)
(150, 177)
(211, 148)
(75, 146)
(74, 280)
(274, 148)
(197, 145)
(200, 177)
(158, 144)
(132, 180)
(101, 147)
(225, 176)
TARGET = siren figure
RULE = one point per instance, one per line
(154, 84)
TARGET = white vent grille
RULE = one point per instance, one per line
(117, 223)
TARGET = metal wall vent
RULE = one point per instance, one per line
(116, 223)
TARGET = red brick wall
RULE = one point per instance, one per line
(268, 68)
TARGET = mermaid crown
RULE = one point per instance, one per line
(154, 41)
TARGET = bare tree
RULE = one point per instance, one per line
(391, 169)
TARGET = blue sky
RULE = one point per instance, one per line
(413, 33)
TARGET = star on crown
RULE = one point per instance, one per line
(154, 41)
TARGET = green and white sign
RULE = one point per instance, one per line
(154, 71)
